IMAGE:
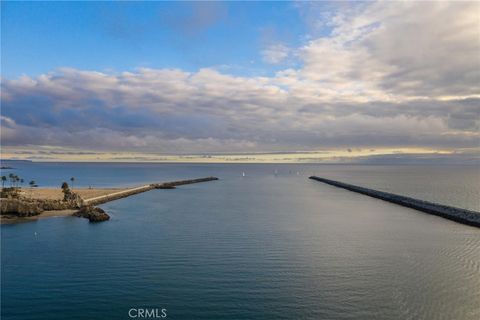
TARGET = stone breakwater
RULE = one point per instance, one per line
(148, 187)
(464, 216)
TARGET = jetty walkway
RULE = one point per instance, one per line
(145, 188)
(464, 216)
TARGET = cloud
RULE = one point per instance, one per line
(194, 18)
(275, 54)
(404, 49)
(387, 75)
(175, 111)
(185, 19)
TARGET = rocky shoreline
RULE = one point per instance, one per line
(464, 216)
(24, 207)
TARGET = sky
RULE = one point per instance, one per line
(241, 81)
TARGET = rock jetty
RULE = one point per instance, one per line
(464, 216)
(148, 187)
(166, 185)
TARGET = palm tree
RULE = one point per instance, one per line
(4, 179)
(72, 179)
(14, 180)
(11, 177)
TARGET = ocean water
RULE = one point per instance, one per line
(270, 245)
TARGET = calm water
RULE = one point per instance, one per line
(263, 246)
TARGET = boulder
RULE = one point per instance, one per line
(73, 198)
(93, 214)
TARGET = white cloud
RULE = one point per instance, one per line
(275, 53)
(405, 49)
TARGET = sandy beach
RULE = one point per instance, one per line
(56, 194)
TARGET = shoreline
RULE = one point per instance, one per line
(11, 219)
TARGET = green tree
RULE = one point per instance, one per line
(4, 179)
